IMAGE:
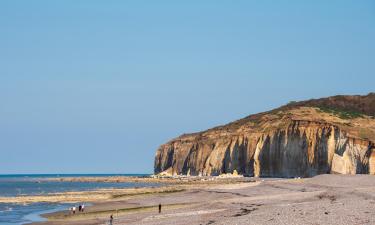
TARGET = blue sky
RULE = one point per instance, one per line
(97, 86)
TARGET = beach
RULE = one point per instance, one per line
(25, 196)
(323, 199)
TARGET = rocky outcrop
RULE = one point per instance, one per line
(290, 142)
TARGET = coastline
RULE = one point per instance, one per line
(157, 185)
(25, 196)
(102, 199)
(138, 186)
(324, 199)
(37, 216)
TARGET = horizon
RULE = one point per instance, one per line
(95, 88)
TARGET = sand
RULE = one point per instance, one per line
(324, 199)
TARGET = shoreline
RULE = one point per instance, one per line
(36, 217)
(164, 184)
(100, 208)
(317, 200)
(159, 185)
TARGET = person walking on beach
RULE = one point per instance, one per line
(79, 208)
(111, 220)
(83, 207)
(159, 208)
(74, 209)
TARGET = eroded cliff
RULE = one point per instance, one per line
(297, 140)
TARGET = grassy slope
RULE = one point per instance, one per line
(353, 113)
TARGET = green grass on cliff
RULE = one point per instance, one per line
(341, 113)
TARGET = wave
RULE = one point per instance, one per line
(7, 209)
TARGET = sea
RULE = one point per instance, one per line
(36, 184)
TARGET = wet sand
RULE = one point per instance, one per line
(324, 199)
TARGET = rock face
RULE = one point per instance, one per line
(297, 140)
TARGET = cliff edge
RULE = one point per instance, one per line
(301, 139)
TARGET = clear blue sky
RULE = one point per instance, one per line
(97, 86)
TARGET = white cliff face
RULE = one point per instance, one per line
(372, 163)
(293, 148)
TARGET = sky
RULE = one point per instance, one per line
(97, 86)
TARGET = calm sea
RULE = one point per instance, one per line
(16, 185)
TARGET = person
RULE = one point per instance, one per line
(159, 208)
(111, 220)
(83, 207)
(74, 209)
(79, 208)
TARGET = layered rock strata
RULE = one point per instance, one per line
(288, 142)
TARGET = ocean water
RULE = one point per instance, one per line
(17, 185)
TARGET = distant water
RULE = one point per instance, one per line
(16, 185)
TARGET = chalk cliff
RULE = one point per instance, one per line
(301, 139)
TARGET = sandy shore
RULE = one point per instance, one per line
(324, 199)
